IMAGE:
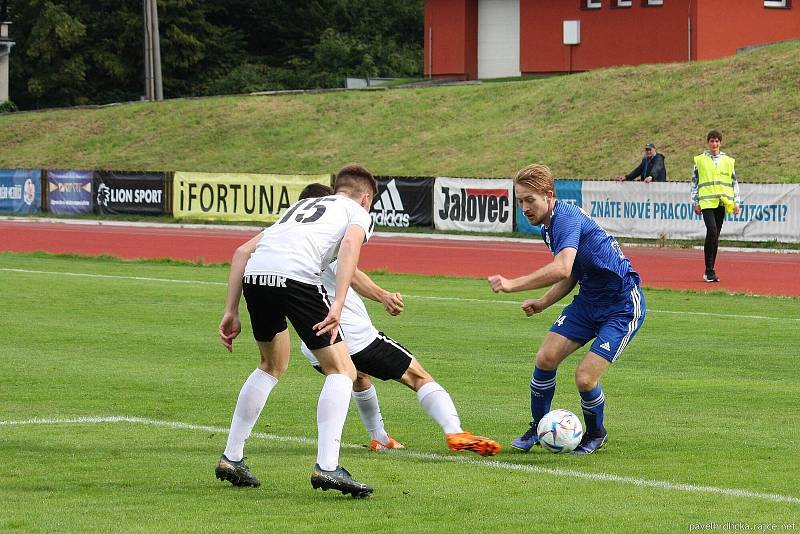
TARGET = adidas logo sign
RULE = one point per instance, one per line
(388, 210)
(606, 346)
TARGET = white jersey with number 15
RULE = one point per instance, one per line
(306, 239)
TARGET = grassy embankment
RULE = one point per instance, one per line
(589, 125)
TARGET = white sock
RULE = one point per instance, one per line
(370, 412)
(334, 400)
(437, 403)
(252, 398)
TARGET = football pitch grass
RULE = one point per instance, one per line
(115, 399)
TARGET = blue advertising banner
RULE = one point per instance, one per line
(569, 191)
(69, 191)
(21, 190)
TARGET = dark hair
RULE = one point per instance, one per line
(713, 134)
(354, 179)
(315, 190)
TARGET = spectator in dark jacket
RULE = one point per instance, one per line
(651, 169)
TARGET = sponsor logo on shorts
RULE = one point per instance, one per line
(271, 280)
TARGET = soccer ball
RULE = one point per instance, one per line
(560, 431)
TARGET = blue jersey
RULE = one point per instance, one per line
(600, 267)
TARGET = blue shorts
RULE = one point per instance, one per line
(613, 322)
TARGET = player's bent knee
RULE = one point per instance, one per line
(334, 359)
(589, 371)
(415, 376)
(362, 382)
(340, 369)
(274, 354)
(585, 381)
(415, 383)
(547, 361)
(587, 376)
(276, 369)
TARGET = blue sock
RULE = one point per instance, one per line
(593, 404)
(543, 387)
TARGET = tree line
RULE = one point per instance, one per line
(77, 52)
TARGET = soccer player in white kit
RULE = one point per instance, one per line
(376, 354)
(278, 271)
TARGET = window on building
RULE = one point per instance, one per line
(781, 4)
(591, 4)
(623, 3)
(651, 3)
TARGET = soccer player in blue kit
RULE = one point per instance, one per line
(609, 306)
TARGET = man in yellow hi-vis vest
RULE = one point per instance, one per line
(715, 192)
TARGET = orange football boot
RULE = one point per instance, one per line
(466, 441)
(376, 445)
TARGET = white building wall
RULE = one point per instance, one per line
(5, 50)
(498, 38)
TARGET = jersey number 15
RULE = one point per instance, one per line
(307, 211)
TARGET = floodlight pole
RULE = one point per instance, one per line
(156, 51)
(147, 42)
(152, 52)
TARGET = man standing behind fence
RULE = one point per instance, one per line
(651, 169)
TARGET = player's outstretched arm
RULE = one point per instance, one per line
(556, 271)
(230, 326)
(346, 262)
(557, 292)
(366, 287)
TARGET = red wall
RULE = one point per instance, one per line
(725, 25)
(454, 27)
(609, 36)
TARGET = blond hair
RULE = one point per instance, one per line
(537, 177)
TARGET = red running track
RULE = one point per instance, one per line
(760, 273)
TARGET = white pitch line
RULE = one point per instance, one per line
(424, 297)
(114, 277)
(164, 424)
(493, 464)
